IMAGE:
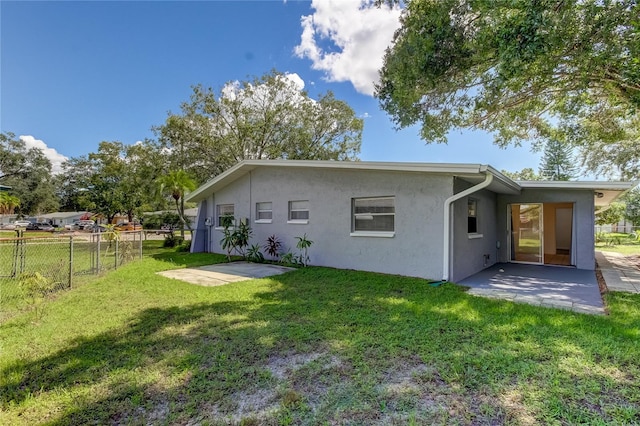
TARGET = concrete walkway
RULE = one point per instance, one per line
(618, 272)
(554, 287)
(225, 273)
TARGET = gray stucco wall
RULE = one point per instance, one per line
(415, 250)
(583, 220)
(468, 256)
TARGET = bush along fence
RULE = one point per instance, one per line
(38, 266)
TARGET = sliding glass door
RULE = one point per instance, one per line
(526, 233)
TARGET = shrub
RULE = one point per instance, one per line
(273, 246)
(172, 240)
(35, 288)
(254, 254)
(236, 238)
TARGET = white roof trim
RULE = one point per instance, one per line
(501, 183)
(458, 169)
(604, 185)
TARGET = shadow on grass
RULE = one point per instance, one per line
(457, 359)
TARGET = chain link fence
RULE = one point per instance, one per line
(37, 266)
(619, 229)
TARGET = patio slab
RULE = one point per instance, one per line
(618, 272)
(549, 286)
(225, 273)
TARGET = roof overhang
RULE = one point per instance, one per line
(604, 193)
(472, 173)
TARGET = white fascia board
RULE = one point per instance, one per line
(604, 185)
(456, 169)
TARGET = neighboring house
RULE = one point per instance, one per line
(440, 221)
(63, 218)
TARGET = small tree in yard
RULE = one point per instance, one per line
(177, 183)
(36, 288)
(235, 238)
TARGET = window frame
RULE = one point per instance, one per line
(472, 217)
(372, 233)
(290, 209)
(219, 207)
(262, 210)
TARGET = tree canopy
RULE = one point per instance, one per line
(522, 70)
(118, 178)
(28, 172)
(266, 118)
(525, 174)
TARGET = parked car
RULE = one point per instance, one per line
(37, 226)
(21, 223)
(165, 229)
(71, 226)
(82, 224)
(131, 226)
(95, 228)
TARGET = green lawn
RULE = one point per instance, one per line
(314, 346)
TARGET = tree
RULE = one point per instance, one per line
(522, 70)
(525, 174)
(266, 118)
(177, 183)
(118, 178)
(558, 162)
(7, 204)
(612, 214)
(28, 172)
(632, 201)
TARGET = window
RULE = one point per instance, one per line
(299, 211)
(225, 214)
(472, 216)
(373, 215)
(264, 212)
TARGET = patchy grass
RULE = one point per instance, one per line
(627, 249)
(313, 346)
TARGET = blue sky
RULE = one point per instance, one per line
(76, 73)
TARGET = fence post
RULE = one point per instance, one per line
(98, 254)
(71, 261)
(115, 256)
(140, 245)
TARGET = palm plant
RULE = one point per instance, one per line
(8, 203)
(176, 184)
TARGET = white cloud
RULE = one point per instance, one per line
(292, 81)
(295, 79)
(54, 156)
(360, 31)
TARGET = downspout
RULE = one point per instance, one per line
(447, 218)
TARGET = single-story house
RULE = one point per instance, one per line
(431, 220)
(64, 218)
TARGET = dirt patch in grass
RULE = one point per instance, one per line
(282, 366)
